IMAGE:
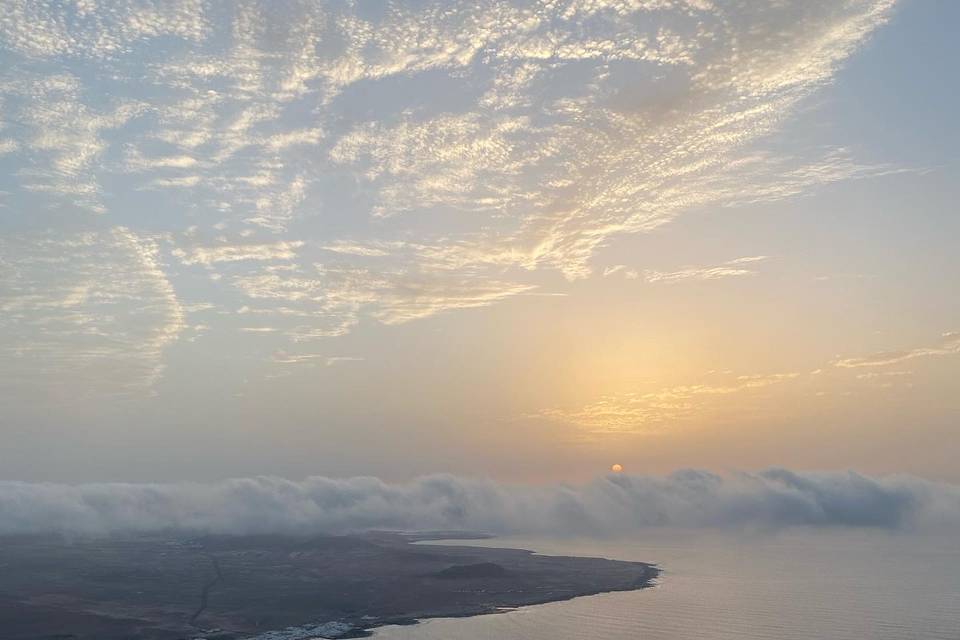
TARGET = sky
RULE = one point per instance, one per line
(522, 241)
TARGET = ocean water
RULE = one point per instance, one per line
(837, 585)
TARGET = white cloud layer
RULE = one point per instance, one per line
(611, 505)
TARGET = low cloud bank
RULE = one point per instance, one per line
(609, 505)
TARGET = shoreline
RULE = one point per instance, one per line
(508, 609)
(173, 587)
(428, 540)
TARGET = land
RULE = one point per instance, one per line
(272, 587)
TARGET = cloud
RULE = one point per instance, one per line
(577, 121)
(336, 295)
(873, 375)
(238, 253)
(441, 150)
(64, 144)
(310, 359)
(949, 344)
(137, 162)
(165, 183)
(86, 311)
(648, 412)
(356, 249)
(730, 269)
(37, 30)
(611, 505)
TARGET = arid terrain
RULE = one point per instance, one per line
(170, 588)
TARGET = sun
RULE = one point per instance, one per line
(616, 468)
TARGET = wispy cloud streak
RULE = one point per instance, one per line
(88, 311)
(649, 411)
(948, 344)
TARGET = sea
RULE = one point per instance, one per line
(786, 585)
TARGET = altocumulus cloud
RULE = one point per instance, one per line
(459, 145)
(610, 505)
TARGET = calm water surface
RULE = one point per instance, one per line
(790, 586)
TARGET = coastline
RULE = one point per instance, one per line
(430, 540)
(172, 587)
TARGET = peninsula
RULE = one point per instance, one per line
(272, 587)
